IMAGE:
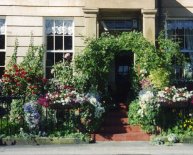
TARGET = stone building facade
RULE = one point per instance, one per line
(62, 25)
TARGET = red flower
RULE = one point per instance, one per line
(18, 84)
(44, 80)
(43, 101)
(15, 66)
(6, 75)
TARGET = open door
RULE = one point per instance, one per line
(123, 65)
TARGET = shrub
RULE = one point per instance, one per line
(26, 78)
(160, 78)
(133, 115)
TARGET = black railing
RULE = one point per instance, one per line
(64, 117)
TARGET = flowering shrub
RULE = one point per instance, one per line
(173, 94)
(99, 110)
(17, 81)
(146, 96)
(145, 83)
(86, 109)
(149, 110)
(67, 97)
(32, 116)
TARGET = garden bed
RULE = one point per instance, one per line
(41, 141)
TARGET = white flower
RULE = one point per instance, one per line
(67, 100)
(93, 100)
(145, 96)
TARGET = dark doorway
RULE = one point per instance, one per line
(123, 65)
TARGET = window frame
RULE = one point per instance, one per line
(63, 35)
(59, 18)
(185, 51)
(177, 19)
(4, 50)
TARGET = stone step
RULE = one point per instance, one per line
(117, 114)
(123, 106)
(122, 137)
(119, 129)
(116, 121)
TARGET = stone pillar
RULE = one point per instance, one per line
(149, 24)
(91, 25)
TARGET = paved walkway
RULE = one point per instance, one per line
(101, 148)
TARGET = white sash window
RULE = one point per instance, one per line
(59, 41)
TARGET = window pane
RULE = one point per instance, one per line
(68, 42)
(58, 57)
(180, 31)
(180, 40)
(50, 59)
(189, 39)
(170, 32)
(48, 73)
(2, 58)
(50, 43)
(58, 42)
(49, 27)
(59, 27)
(1, 71)
(2, 41)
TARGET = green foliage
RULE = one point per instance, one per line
(133, 115)
(33, 61)
(25, 78)
(63, 72)
(168, 51)
(93, 64)
(13, 59)
(88, 121)
(149, 121)
(9, 128)
(164, 79)
(16, 112)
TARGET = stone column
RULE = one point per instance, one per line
(149, 24)
(91, 25)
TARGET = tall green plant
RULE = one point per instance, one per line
(63, 72)
(25, 78)
(13, 59)
(33, 61)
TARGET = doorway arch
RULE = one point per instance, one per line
(93, 64)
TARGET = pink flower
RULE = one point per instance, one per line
(43, 101)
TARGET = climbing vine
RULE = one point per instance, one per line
(93, 64)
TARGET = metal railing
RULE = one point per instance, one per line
(63, 115)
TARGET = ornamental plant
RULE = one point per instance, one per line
(94, 63)
(32, 116)
(85, 111)
(164, 79)
(63, 72)
(26, 78)
(172, 95)
(18, 81)
(148, 109)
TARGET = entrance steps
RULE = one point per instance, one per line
(116, 127)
